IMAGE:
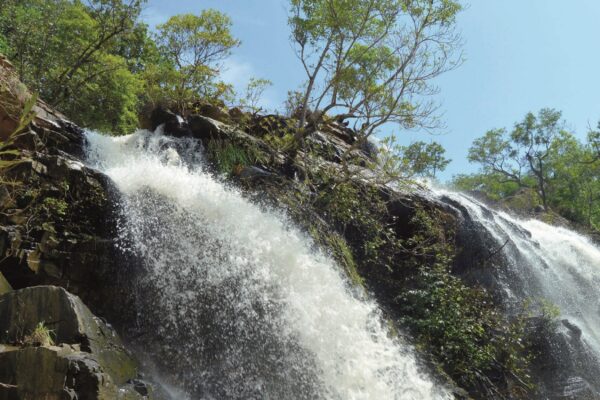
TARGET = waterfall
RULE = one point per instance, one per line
(546, 262)
(233, 301)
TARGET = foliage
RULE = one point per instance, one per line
(75, 55)
(355, 210)
(399, 163)
(54, 209)
(231, 158)
(293, 104)
(372, 60)
(4, 49)
(192, 48)
(41, 336)
(17, 105)
(98, 64)
(114, 95)
(459, 324)
(254, 92)
(539, 155)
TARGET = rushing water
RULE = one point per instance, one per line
(544, 262)
(233, 302)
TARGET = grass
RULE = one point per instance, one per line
(41, 336)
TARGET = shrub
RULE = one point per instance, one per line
(460, 325)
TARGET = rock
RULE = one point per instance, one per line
(251, 173)
(574, 330)
(236, 114)
(61, 229)
(4, 285)
(369, 149)
(341, 131)
(173, 124)
(213, 112)
(88, 362)
(204, 128)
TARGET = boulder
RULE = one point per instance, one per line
(173, 124)
(87, 362)
(213, 112)
(58, 229)
(205, 128)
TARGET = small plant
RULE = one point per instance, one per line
(55, 207)
(228, 157)
(41, 336)
(231, 158)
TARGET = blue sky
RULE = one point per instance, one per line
(521, 55)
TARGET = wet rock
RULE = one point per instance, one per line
(172, 123)
(58, 229)
(204, 128)
(574, 330)
(251, 173)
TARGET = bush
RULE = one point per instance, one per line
(461, 326)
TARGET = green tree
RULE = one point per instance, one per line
(523, 153)
(66, 51)
(398, 163)
(426, 159)
(373, 61)
(192, 48)
(534, 138)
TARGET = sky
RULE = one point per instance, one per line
(520, 56)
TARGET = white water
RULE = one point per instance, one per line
(551, 263)
(238, 301)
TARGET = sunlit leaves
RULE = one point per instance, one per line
(192, 48)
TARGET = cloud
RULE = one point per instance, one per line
(238, 73)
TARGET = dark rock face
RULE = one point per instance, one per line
(172, 124)
(87, 362)
(58, 228)
(203, 128)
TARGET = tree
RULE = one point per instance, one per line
(67, 51)
(397, 163)
(373, 61)
(538, 154)
(496, 156)
(426, 159)
(254, 92)
(534, 138)
(192, 47)
(522, 153)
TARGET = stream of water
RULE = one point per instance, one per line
(233, 301)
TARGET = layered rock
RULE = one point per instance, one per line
(57, 225)
(57, 228)
(82, 359)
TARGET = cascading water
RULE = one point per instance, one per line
(550, 263)
(233, 302)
